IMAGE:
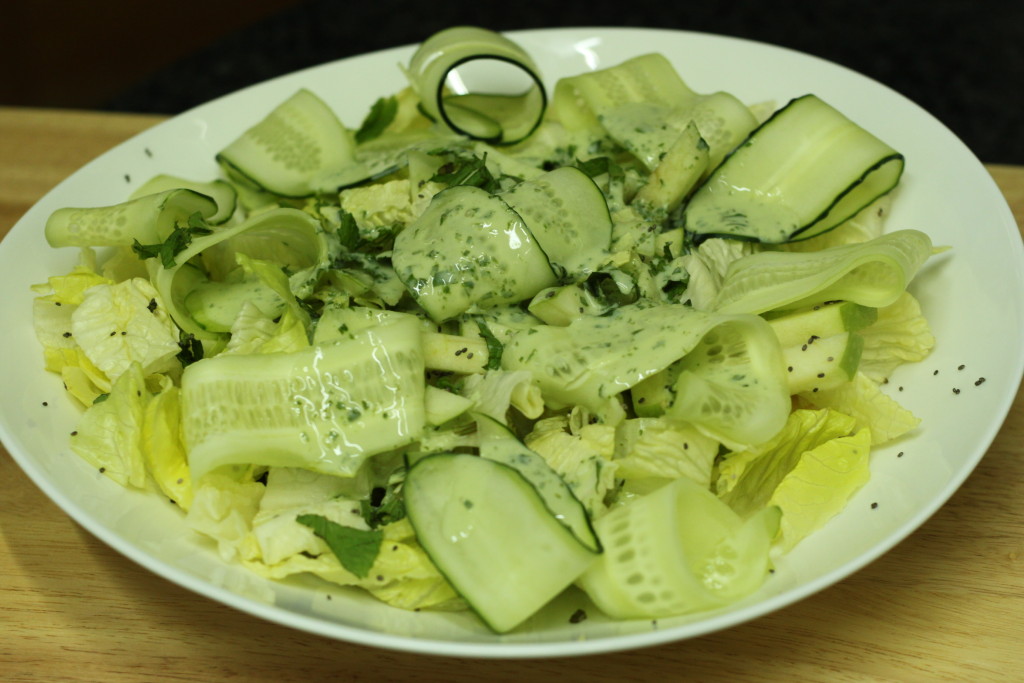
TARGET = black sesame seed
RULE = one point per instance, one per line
(978, 382)
(900, 454)
(874, 505)
(956, 391)
(961, 367)
(577, 616)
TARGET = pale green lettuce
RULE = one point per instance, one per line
(863, 400)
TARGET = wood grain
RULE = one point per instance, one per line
(944, 605)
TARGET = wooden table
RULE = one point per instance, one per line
(946, 604)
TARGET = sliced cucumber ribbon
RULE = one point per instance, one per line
(496, 117)
(804, 171)
(326, 408)
(732, 371)
(286, 236)
(677, 550)
(873, 273)
(147, 219)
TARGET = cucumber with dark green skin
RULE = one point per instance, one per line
(488, 531)
(802, 172)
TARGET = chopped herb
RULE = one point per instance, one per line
(101, 398)
(356, 549)
(468, 170)
(176, 242)
(384, 506)
(191, 348)
(380, 116)
(494, 347)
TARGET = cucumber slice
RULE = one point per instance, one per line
(736, 376)
(326, 408)
(732, 385)
(292, 237)
(800, 326)
(802, 172)
(489, 532)
(298, 150)
(149, 219)
(568, 215)
(819, 364)
(220, 191)
(499, 444)
(440, 72)
(468, 249)
(677, 550)
(873, 273)
(215, 305)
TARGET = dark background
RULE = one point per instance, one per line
(962, 60)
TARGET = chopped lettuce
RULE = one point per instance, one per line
(899, 335)
(119, 324)
(223, 508)
(656, 448)
(582, 457)
(163, 450)
(864, 401)
(109, 433)
(747, 479)
(820, 485)
(256, 332)
(707, 266)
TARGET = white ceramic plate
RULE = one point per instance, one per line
(973, 296)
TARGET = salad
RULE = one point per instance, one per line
(491, 344)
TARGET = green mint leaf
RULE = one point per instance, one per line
(356, 549)
(380, 116)
(348, 231)
(599, 166)
(494, 347)
(383, 506)
(191, 348)
(468, 170)
(179, 239)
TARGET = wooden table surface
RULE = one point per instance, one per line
(945, 604)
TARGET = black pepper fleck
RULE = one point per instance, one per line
(45, 404)
(955, 390)
(874, 505)
(577, 616)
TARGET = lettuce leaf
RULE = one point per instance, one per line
(901, 334)
(163, 450)
(748, 479)
(117, 325)
(223, 508)
(109, 433)
(582, 458)
(864, 401)
(255, 332)
(654, 448)
(820, 485)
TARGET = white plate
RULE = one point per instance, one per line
(973, 296)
